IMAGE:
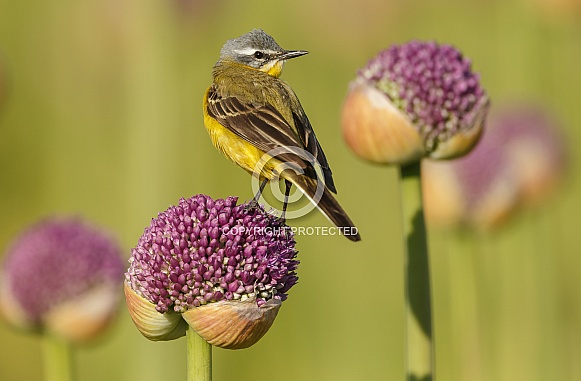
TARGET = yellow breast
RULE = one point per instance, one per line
(237, 149)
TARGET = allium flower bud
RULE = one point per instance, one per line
(478, 190)
(517, 162)
(63, 276)
(221, 267)
(414, 100)
(535, 147)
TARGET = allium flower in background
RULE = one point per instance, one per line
(534, 143)
(479, 189)
(62, 276)
(518, 162)
(411, 101)
(414, 100)
(222, 268)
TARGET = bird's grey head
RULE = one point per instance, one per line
(255, 49)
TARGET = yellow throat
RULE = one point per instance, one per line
(273, 68)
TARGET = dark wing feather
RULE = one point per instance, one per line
(260, 125)
(309, 139)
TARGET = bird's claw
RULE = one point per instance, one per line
(252, 205)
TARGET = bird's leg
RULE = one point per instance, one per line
(254, 202)
(288, 186)
(260, 189)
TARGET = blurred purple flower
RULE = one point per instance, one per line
(519, 160)
(57, 262)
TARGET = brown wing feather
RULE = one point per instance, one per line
(309, 139)
(260, 125)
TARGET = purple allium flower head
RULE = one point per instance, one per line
(433, 84)
(531, 124)
(58, 260)
(478, 190)
(204, 250)
(532, 139)
(517, 163)
(482, 168)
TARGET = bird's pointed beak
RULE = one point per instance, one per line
(288, 54)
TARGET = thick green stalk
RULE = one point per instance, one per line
(199, 357)
(419, 340)
(57, 359)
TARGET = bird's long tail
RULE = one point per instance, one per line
(327, 204)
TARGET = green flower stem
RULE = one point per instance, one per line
(57, 359)
(199, 357)
(418, 341)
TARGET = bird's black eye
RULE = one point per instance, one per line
(258, 54)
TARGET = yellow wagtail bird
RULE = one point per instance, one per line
(249, 112)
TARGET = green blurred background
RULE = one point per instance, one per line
(101, 116)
